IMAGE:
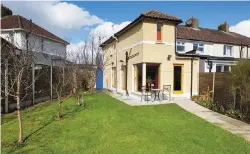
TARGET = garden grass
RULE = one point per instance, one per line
(106, 125)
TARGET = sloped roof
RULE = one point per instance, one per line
(17, 21)
(211, 35)
(159, 15)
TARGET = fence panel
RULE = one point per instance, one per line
(205, 82)
(222, 93)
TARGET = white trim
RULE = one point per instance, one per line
(146, 42)
(196, 41)
(13, 29)
(49, 38)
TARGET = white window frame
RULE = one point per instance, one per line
(179, 43)
(199, 45)
(222, 67)
(225, 51)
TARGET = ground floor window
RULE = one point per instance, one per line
(138, 77)
(114, 77)
(152, 75)
(151, 78)
(223, 68)
(123, 77)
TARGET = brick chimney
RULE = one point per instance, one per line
(224, 27)
(5, 11)
(192, 22)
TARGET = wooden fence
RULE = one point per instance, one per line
(219, 84)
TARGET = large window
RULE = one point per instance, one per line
(159, 32)
(227, 50)
(180, 46)
(199, 47)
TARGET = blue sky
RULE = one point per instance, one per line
(210, 14)
(74, 21)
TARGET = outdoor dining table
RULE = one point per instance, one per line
(157, 94)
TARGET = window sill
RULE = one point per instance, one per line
(159, 42)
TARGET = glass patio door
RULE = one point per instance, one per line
(178, 79)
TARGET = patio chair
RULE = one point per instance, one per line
(151, 86)
(145, 93)
(166, 92)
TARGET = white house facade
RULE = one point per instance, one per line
(26, 35)
(221, 43)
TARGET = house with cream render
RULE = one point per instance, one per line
(155, 47)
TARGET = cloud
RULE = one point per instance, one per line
(107, 29)
(242, 28)
(64, 19)
(70, 16)
(61, 14)
(103, 31)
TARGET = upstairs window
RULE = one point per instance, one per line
(199, 47)
(227, 50)
(180, 47)
(159, 32)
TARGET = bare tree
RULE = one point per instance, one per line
(18, 60)
(19, 63)
(62, 84)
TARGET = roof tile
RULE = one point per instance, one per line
(17, 21)
(156, 14)
(211, 35)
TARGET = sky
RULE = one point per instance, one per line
(75, 21)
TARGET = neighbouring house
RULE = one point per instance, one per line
(48, 50)
(155, 47)
(26, 35)
(221, 46)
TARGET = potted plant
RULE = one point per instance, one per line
(149, 81)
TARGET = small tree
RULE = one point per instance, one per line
(86, 58)
(19, 63)
(240, 85)
(62, 82)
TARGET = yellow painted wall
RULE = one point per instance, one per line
(127, 42)
(150, 30)
(142, 39)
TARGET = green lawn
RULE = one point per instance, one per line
(109, 126)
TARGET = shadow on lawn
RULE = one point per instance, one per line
(67, 114)
(75, 110)
(27, 137)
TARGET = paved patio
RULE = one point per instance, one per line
(136, 102)
(232, 125)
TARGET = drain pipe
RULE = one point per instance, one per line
(126, 84)
(191, 87)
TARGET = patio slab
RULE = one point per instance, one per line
(136, 102)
